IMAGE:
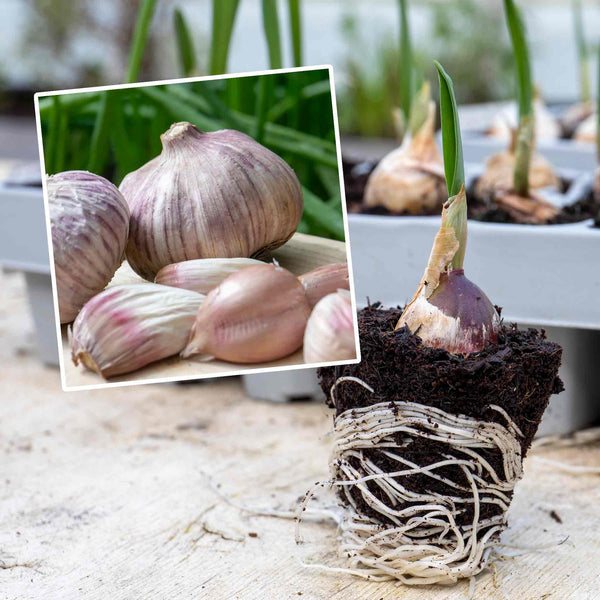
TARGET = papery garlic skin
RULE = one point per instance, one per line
(89, 223)
(547, 127)
(325, 280)
(209, 195)
(410, 179)
(457, 317)
(257, 314)
(329, 334)
(202, 274)
(129, 326)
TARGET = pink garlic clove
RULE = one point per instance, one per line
(257, 314)
(325, 280)
(202, 274)
(129, 326)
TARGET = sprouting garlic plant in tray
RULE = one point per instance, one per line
(431, 428)
(410, 179)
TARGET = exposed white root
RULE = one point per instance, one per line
(413, 536)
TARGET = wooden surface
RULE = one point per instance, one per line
(109, 494)
(301, 254)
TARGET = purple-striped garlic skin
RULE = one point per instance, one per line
(90, 223)
(457, 317)
(257, 314)
(126, 327)
(209, 195)
(329, 334)
(325, 280)
(202, 274)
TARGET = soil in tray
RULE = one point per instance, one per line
(518, 373)
(356, 175)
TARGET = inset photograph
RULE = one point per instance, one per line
(197, 227)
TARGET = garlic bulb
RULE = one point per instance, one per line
(329, 334)
(586, 132)
(325, 280)
(448, 311)
(129, 326)
(89, 222)
(546, 126)
(203, 274)
(410, 179)
(499, 174)
(209, 195)
(255, 315)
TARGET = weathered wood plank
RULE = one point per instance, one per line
(107, 494)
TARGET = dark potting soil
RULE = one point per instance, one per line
(356, 175)
(519, 373)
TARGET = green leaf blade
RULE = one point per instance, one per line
(406, 63)
(451, 138)
(516, 28)
(140, 39)
(185, 45)
(272, 34)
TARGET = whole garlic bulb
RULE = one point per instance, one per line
(129, 326)
(202, 274)
(256, 315)
(90, 223)
(329, 334)
(209, 195)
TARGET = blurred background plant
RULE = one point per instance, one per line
(460, 31)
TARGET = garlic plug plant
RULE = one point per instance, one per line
(129, 326)
(325, 280)
(410, 179)
(257, 314)
(89, 221)
(202, 274)
(329, 334)
(511, 179)
(209, 195)
(448, 311)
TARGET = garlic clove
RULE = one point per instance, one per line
(256, 315)
(202, 274)
(325, 280)
(209, 195)
(329, 334)
(574, 116)
(89, 221)
(410, 179)
(129, 326)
